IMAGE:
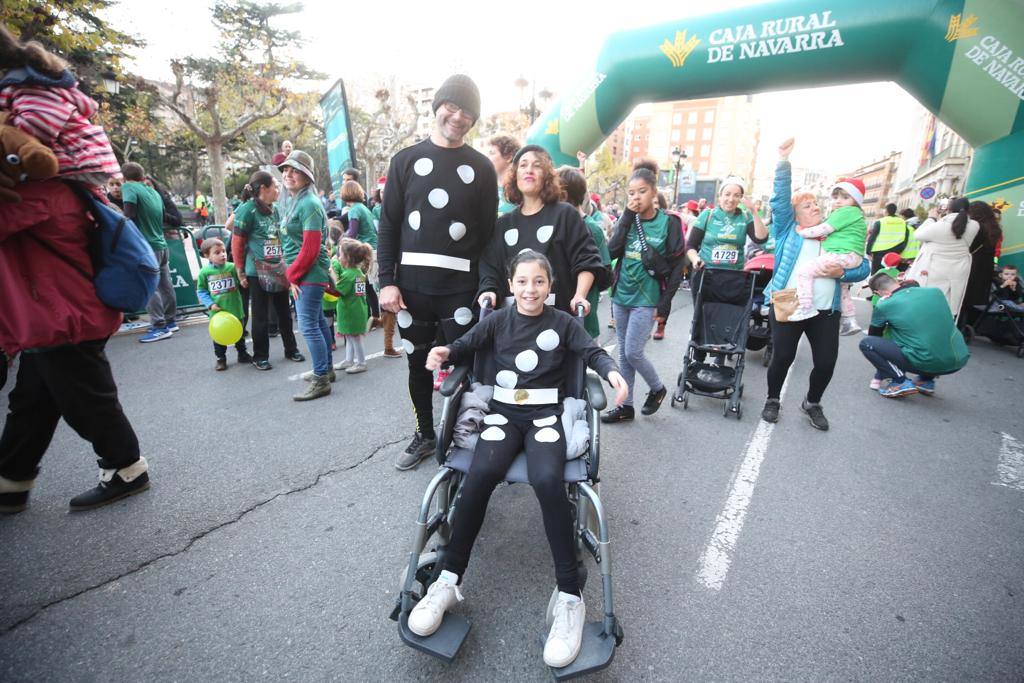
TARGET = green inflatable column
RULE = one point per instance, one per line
(962, 59)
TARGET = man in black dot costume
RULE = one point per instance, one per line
(438, 215)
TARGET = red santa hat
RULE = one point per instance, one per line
(853, 187)
(891, 260)
(692, 205)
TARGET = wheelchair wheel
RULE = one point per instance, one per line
(427, 571)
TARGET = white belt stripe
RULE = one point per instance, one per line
(415, 258)
(534, 397)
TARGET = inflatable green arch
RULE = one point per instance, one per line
(962, 59)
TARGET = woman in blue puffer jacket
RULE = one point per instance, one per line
(822, 330)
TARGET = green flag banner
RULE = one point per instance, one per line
(962, 59)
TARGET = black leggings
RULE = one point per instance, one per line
(823, 333)
(545, 462)
(428, 312)
(263, 304)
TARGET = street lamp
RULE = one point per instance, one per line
(678, 156)
(530, 110)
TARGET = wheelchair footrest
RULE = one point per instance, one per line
(596, 652)
(444, 643)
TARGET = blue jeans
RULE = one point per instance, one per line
(314, 328)
(633, 327)
(889, 361)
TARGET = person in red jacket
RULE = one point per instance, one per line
(50, 314)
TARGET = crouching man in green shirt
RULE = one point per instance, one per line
(919, 336)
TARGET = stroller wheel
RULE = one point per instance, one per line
(686, 399)
(740, 392)
(968, 333)
(739, 411)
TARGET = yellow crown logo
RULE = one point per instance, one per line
(552, 128)
(678, 52)
(1001, 204)
(961, 28)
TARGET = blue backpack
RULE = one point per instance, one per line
(125, 267)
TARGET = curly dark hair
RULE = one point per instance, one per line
(551, 188)
(506, 144)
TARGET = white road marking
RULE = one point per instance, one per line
(717, 555)
(1011, 463)
(297, 376)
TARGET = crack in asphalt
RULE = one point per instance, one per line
(198, 537)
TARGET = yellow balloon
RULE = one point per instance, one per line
(225, 329)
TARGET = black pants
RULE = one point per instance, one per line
(823, 334)
(73, 382)
(221, 351)
(545, 462)
(889, 361)
(433, 317)
(262, 303)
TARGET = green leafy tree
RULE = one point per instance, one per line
(74, 30)
(220, 98)
(607, 176)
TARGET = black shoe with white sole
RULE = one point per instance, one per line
(114, 485)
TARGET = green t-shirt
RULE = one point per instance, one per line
(367, 233)
(352, 308)
(376, 216)
(919, 321)
(591, 323)
(504, 206)
(221, 283)
(725, 238)
(261, 233)
(306, 214)
(636, 288)
(851, 231)
(149, 212)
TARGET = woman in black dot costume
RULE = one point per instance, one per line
(546, 225)
(531, 343)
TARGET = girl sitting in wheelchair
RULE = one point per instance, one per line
(530, 342)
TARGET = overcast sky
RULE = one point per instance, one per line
(552, 42)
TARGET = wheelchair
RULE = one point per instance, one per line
(439, 506)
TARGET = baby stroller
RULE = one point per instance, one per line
(760, 334)
(440, 504)
(1001, 320)
(720, 327)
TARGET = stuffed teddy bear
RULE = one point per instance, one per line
(22, 158)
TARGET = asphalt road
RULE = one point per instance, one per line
(271, 542)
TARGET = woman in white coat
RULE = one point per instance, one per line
(944, 261)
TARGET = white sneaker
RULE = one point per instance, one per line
(566, 635)
(849, 326)
(343, 365)
(802, 314)
(427, 615)
(875, 385)
(355, 369)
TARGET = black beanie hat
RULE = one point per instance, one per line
(461, 91)
(528, 148)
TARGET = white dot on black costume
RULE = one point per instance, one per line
(495, 419)
(511, 237)
(466, 173)
(414, 220)
(544, 233)
(493, 434)
(408, 346)
(547, 435)
(527, 360)
(463, 316)
(423, 166)
(548, 340)
(545, 421)
(404, 319)
(507, 379)
(438, 198)
(457, 230)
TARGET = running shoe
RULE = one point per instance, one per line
(770, 412)
(427, 615)
(849, 326)
(898, 390)
(875, 384)
(653, 402)
(925, 386)
(815, 414)
(155, 334)
(620, 414)
(420, 447)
